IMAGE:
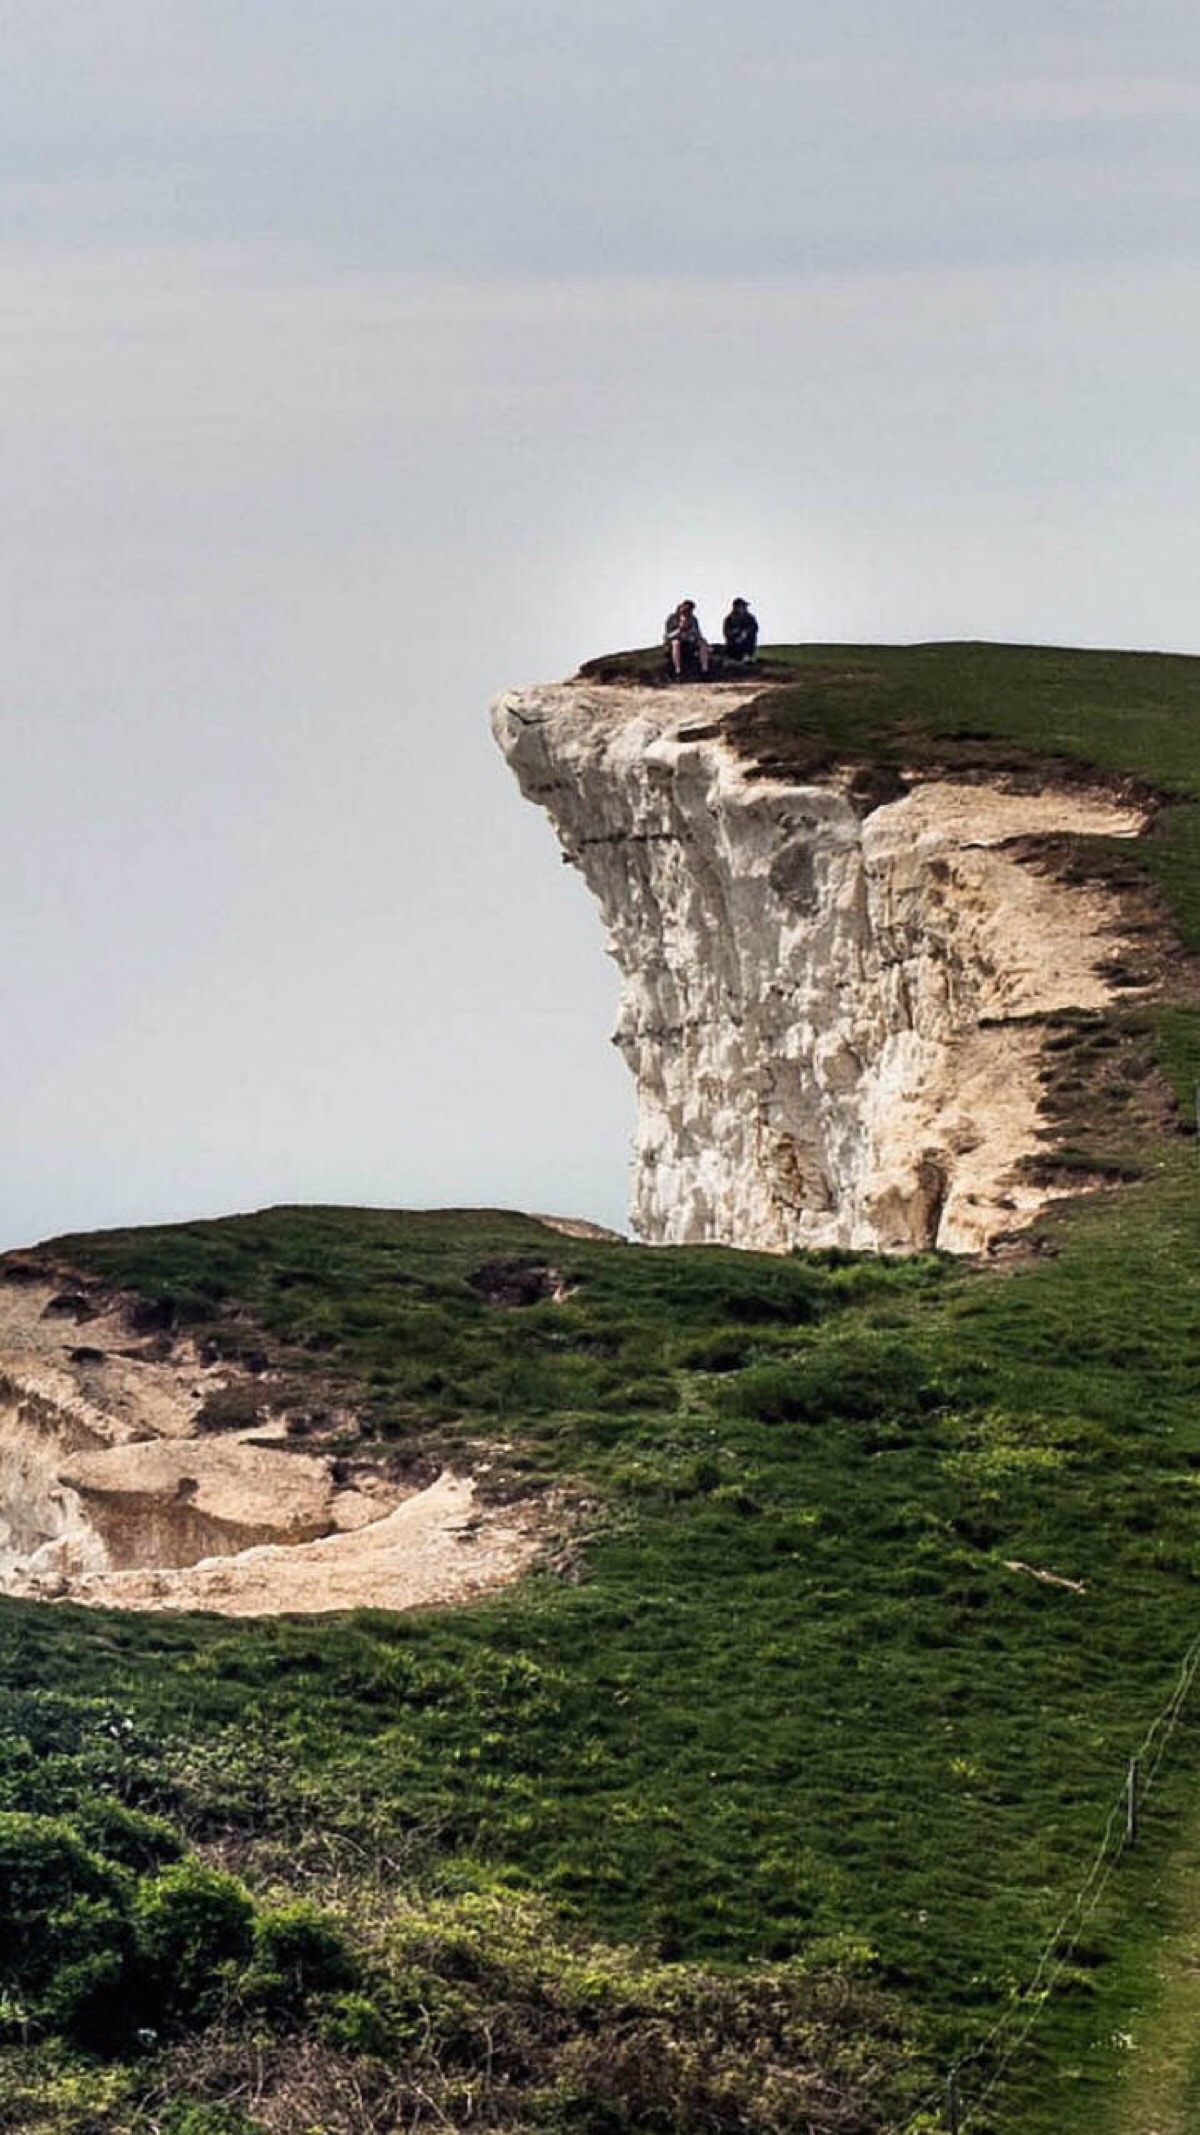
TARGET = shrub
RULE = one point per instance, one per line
(298, 1952)
(64, 1927)
(356, 2024)
(194, 1929)
(197, 2119)
(138, 1841)
(87, 1998)
(596, 2041)
(48, 1881)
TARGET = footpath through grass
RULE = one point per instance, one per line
(1157, 2087)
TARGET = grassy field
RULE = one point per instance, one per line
(783, 1772)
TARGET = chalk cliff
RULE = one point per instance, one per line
(830, 1008)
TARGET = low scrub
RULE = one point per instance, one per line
(484, 2012)
(98, 1955)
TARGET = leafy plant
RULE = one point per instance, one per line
(194, 1932)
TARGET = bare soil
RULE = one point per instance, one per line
(116, 1491)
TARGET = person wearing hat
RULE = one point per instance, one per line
(741, 633)
(687, 646)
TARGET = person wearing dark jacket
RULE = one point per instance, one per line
(741, 633)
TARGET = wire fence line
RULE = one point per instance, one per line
(1012, 2029)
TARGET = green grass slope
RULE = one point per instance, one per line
(758, 1805)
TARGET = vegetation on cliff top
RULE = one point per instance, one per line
(754, 1808)
(982, 708)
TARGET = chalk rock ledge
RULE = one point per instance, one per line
(830, 1009)
(114, 1493)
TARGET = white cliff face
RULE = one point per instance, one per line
(826, 1013)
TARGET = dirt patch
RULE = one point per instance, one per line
(521, 1282)
(115, 1491)
(438, 1547)
(580, 1227)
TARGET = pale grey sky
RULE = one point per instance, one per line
(359, 361)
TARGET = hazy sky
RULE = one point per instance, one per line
(358, 361)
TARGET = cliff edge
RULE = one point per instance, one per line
(833, 987)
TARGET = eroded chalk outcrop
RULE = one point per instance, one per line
(831, 1009)
(115, 1491)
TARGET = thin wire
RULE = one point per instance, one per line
(1049, 1968)
(1043, 1997)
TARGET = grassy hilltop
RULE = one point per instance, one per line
(754, 1808)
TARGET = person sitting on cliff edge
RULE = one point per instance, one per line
(687, 646)
(740, 630)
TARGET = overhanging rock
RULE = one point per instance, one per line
(830, 1009)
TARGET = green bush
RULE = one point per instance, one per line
(129, 1836)
(87, 1998)
(64, 1927)
(354, 2023)
(194, 2119)
(299, 1952)
(195, 1933)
